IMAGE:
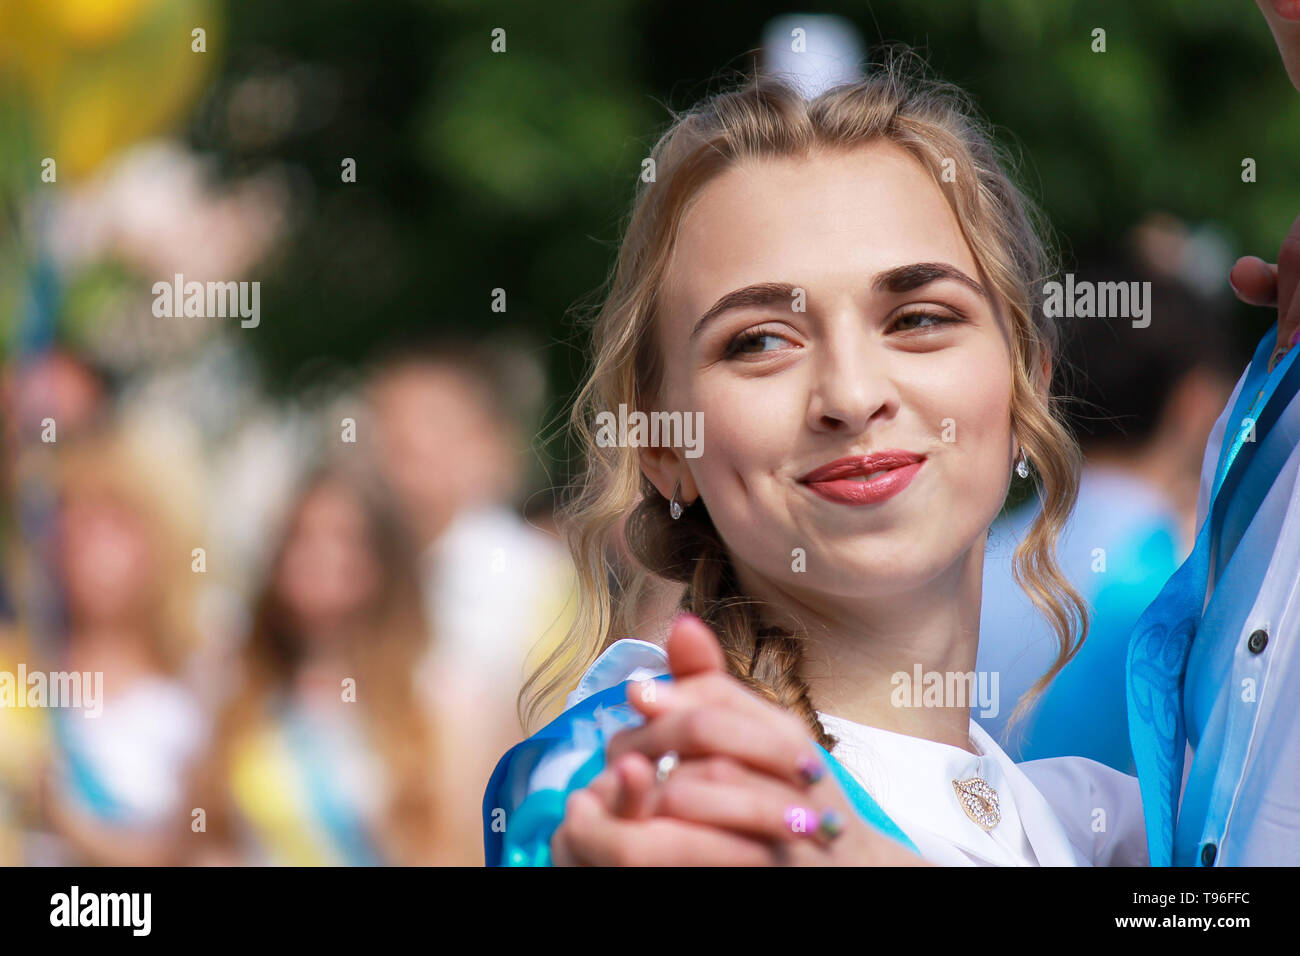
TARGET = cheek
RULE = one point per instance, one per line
(972, 413)
(749, 429)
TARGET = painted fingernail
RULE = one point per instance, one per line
(1295, 337)
(810, 769)
(802, 820)
(830, 826)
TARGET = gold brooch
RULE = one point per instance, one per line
(979, 800)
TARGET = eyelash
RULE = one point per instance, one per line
(735, 346)
(753, 335)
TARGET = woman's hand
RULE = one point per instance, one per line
(750, 789)
(1257, 282)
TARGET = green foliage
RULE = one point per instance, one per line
(479, 170)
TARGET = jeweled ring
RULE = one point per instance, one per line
(666, 765)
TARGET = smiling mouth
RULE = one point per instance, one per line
(865, 479)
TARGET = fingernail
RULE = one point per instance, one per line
(1295, 337)
(810, 769)
(685, 616)
(801, 820)
(831, 825)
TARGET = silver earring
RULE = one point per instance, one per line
(675, 506)
(1022, 465)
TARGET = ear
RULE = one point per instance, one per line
(665, 467)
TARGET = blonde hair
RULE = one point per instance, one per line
(934, 122)
(162, 490)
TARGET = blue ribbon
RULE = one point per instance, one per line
(344, 825)
(1162, 638)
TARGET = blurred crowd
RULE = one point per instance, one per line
(311, 623)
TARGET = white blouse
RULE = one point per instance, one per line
(1060, 812)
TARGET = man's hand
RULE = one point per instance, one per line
(1257, 282)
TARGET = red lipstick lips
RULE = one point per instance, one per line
(842, 481)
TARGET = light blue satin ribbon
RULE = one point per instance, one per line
(1162, 638)
(346, 828)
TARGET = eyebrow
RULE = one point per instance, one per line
(762, 293)
(899, 279)
(907, 278)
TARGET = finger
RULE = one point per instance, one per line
(598, 839)
(1288, 272)
(561, 848)
(723, 771)
(776, 746)
(693, 648)
(655, 697)
(636, 779)
(1254, 281)
(1288, 269)
(745, 809)
(606, 787)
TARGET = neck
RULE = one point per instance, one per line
(862, 654)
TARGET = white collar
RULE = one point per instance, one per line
(911, 778)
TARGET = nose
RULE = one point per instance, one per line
(853, 383)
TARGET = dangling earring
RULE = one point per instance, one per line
(1022, 465)
(675, 506)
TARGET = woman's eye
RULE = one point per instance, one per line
(923, 320)
(752, 343)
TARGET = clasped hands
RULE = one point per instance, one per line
(748, 787)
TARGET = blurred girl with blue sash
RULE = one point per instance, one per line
(325, 754)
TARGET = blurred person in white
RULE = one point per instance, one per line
(126, 526)
(498, 590)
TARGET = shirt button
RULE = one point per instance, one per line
(1257, 641)
(1208, 853)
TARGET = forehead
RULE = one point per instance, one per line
(820, 219)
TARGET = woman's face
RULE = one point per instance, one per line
(328, 574)
(107, 557)
(897, 348)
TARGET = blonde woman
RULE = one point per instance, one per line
(846, 291)
(843, 290)
(117, 765)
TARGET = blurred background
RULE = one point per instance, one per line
(240, 525)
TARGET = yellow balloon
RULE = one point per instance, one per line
(95, 76)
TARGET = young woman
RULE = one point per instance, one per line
(115, 780)
(325, 754)
(846, 290)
